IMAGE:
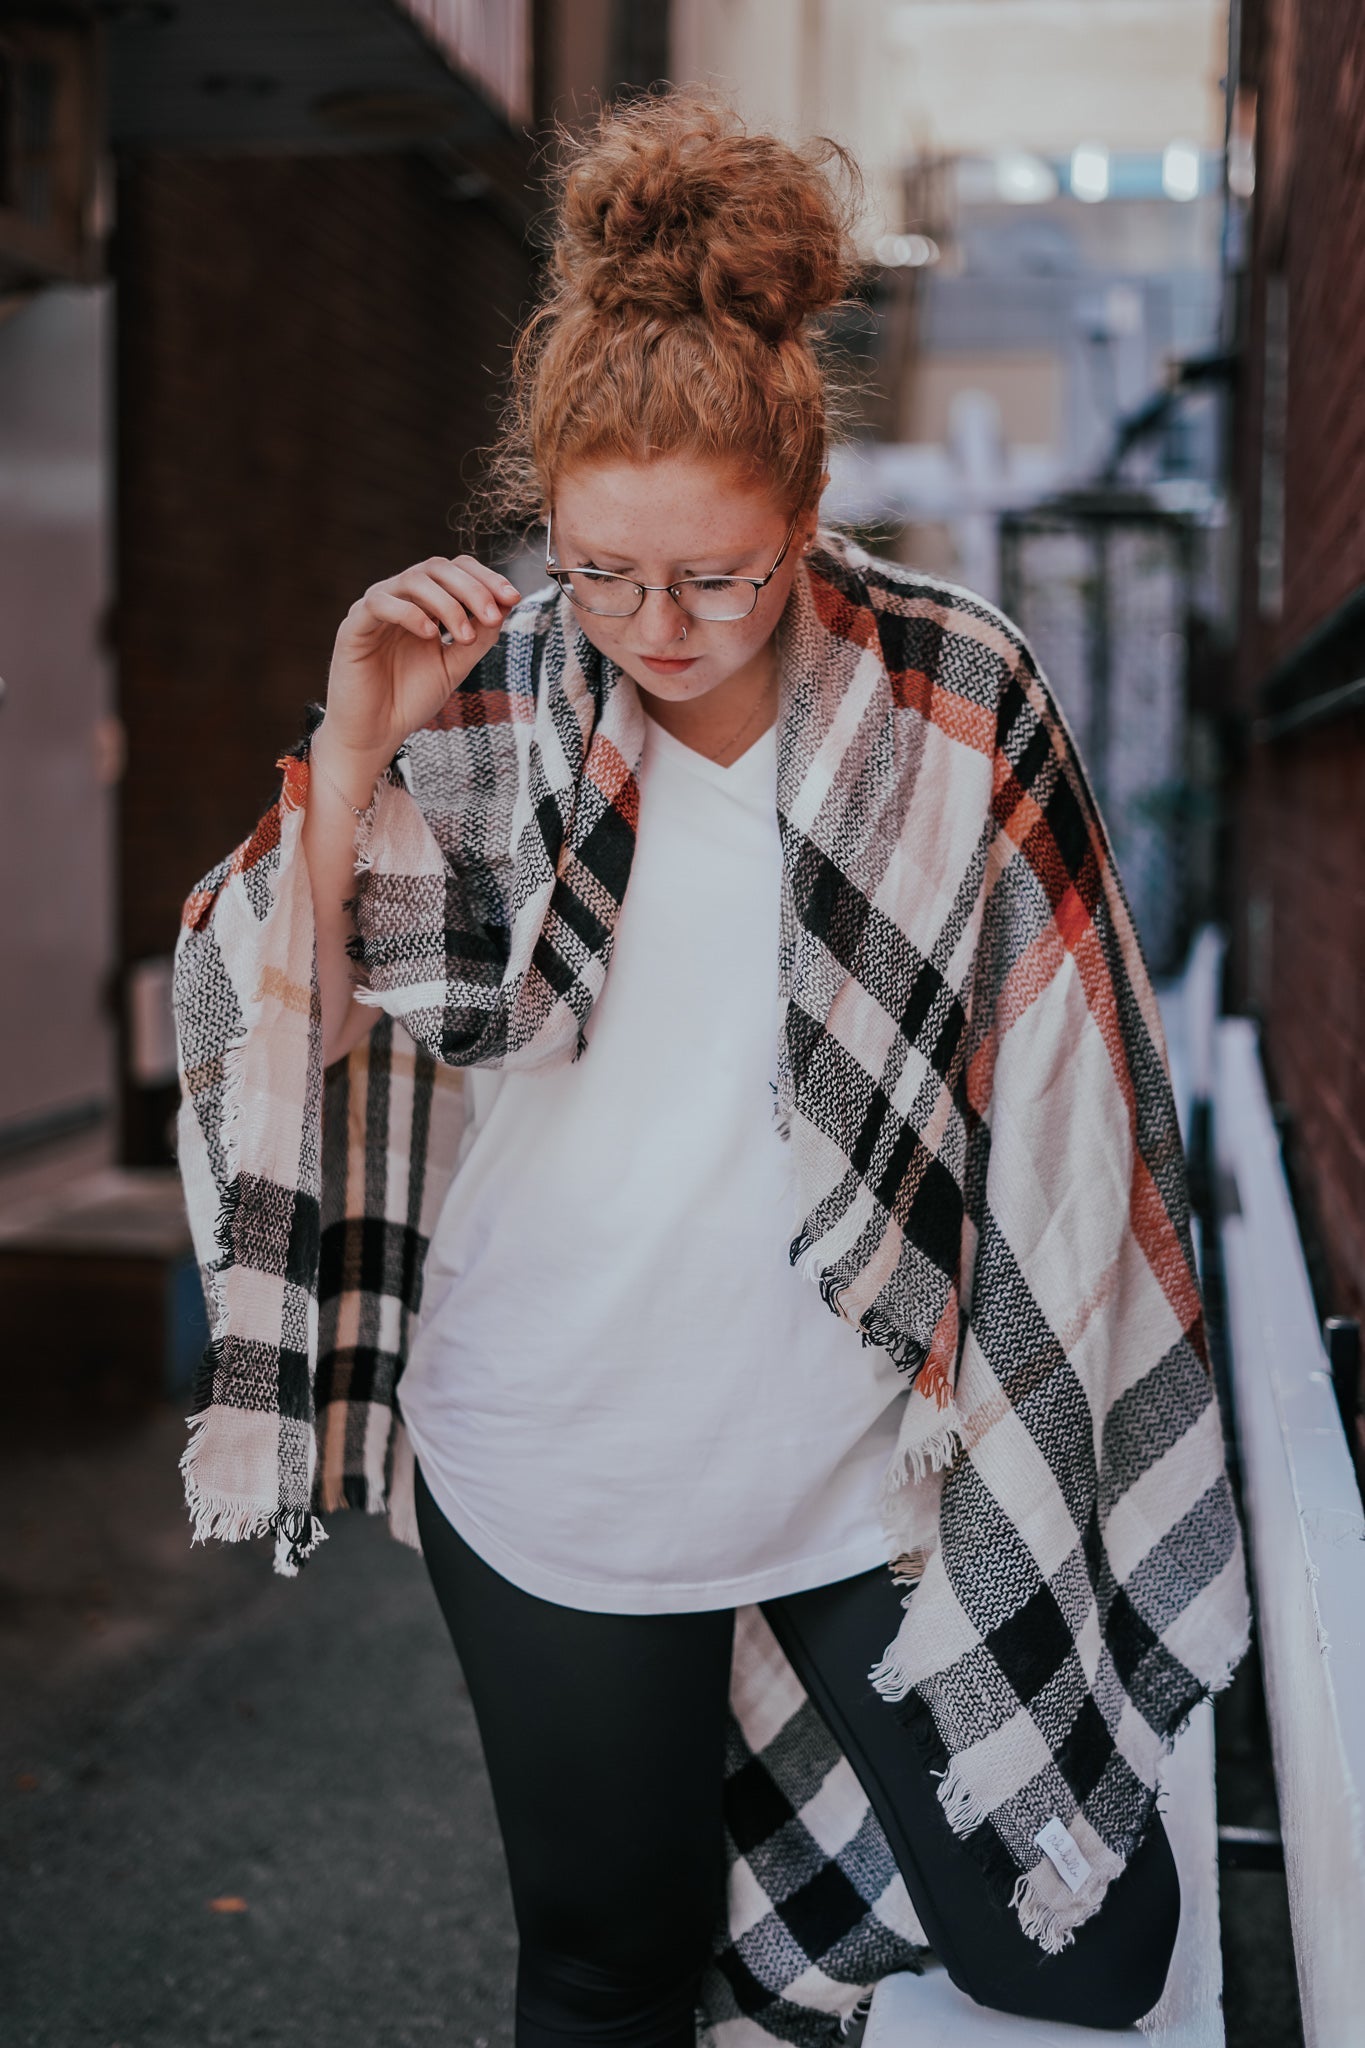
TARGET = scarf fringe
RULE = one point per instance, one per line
(963, 1805)
(805, 1255)
(880, 1328)
(909, 1567)
(229, 1519)
(875, 1326)
(935, 1453)
(298, 1533)
(1041, 1922)
(229, 1194)
(890, 1674)
(858, 2011)
(217, 1516)
(1219, 1682)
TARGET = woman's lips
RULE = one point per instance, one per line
(663, 667)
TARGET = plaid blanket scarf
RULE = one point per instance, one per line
(974, 1078)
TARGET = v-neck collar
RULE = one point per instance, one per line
(736, 774)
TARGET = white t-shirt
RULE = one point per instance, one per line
(620, 1392)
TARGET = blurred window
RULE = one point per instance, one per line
(49, 139)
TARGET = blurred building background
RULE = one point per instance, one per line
(259, 271)
(261, 262)
(262, 268)
(1295, 853)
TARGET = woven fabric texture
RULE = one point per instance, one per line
(974, 1079)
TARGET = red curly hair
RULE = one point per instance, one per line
(690, 260)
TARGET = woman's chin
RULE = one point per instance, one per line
(674, 682)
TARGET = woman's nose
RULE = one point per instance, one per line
(660, 622)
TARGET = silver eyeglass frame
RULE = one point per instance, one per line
(756, 583)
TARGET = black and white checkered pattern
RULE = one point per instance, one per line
(974, 1081)
(816, 1910)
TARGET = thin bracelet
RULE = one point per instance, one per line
(332, 784)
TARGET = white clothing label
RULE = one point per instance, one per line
(621, 1392)
(1063, 1854)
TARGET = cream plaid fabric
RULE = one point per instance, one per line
(974, 1078)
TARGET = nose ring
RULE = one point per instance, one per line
(684, 632)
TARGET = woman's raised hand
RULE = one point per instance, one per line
(392, 670)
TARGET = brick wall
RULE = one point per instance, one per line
(1298, 844)
(1309, 223)
(308, 351)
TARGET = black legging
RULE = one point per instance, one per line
(604, 1738)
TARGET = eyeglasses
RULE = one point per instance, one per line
(702, 597)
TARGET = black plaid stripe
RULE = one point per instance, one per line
(756, 1806)
(294, 1446)
(821, 1903)
(258, 885)
(253, 1375)
(829, 1923)
(579, 833)
(358, 1374)
(969, 1699)
(752, 1971)
(274, 1230)
(208, 1019)
(870, 1867)
(404, 932)
(1073, 1588)
(375, 1256)
(990, 1568)
(459, 1036)
(823, 1911)
(496, 902)
(1032, 1367)
(1120, 1805)
(1161, 1686)
(937, 647)
(423, 1093)
(911, 989)
(1011, 918)
(1149, 1418)
(911, 1183)
(1083, 1754)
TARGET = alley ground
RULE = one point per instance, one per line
(181, 1728)
(240, 1811)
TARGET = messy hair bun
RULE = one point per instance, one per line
(690, 261)
(671, 211)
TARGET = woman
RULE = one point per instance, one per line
(870, 1013)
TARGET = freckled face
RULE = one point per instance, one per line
(676, 515)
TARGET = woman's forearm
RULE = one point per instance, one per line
(339, 780)
(400, 651)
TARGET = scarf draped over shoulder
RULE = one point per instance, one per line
(973, 1077)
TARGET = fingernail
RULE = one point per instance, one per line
(447, 637)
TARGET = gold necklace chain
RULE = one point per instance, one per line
(740, 731)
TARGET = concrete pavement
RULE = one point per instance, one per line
(178, 1727)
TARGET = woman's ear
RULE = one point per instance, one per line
(810, 518)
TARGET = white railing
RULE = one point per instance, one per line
(1306, 1537)
(1306, 1533)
